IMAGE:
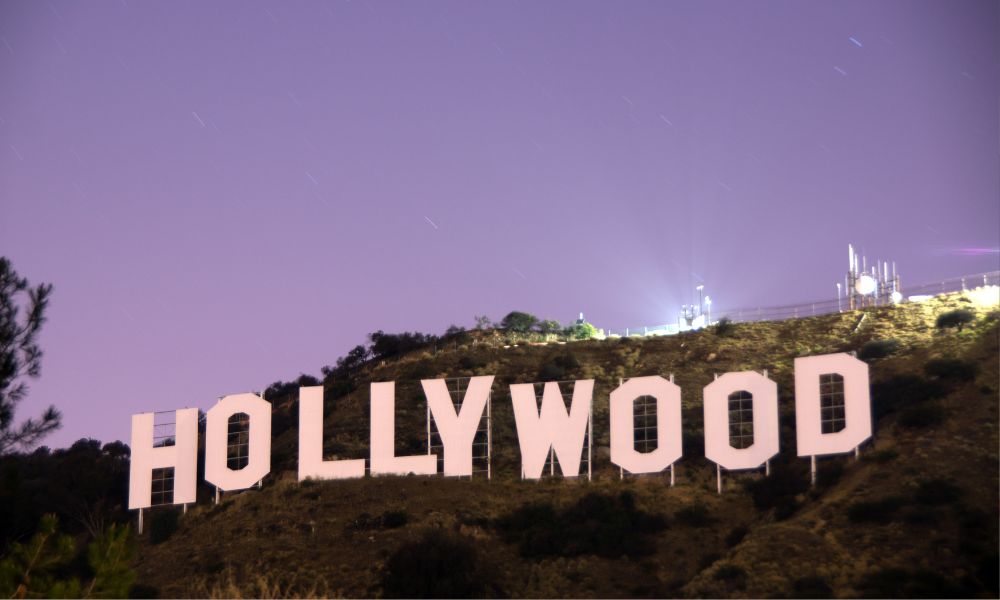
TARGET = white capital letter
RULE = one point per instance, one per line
(311, 463)
(383, 437)
(553, 427)
(668, 425)
(182, 456)
(764, 393)
(853, 423)
(457, 431)
(217, 471)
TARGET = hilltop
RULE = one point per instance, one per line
(915, 516)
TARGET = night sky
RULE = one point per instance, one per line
(229, 193)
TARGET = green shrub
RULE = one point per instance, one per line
(437, 565)
(520, 322)
(954, 318)
(874, 511)
(724, 327)
(597, 524)
(878, 349)
(811, 587)
(549, 326)
(952, 368)
(551, 372)
(922, 415)
(580, 331)
(392, 519)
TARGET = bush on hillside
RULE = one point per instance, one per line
(390, 345)
(903, 390)
(558, 368)
(780, 489)
(520, 322)
(736, 535)
(935, 492)
(470, 362)
(954, 319)
(878, 349)
(694, 515)
(609, 526)
(549, 326)
(439, 564)
(811, 587)
(724, 327)
(280, 390)
(581, 331)
(874, 511)
(952, 368)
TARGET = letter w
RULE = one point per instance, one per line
(553, 427)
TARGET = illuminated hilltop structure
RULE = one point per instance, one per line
(864, 287)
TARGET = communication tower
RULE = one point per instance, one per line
(874, 286)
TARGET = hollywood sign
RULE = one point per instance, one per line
(551, 430)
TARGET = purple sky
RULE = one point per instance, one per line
(225, 194)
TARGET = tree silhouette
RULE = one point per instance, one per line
(21, 357)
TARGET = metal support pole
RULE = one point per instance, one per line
(428, 428)
(718, 479)
(140, 521)
(812, 470)
(590, 443)
(217, 495)
(489, 436)
(672, 480)
(185, 510)
(552, 461)
(767, 468)
(857, 453)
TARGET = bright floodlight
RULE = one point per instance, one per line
(866, 285)
(897, 297)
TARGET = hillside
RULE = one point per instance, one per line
(915, 516)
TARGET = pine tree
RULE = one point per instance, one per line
(21, 357)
